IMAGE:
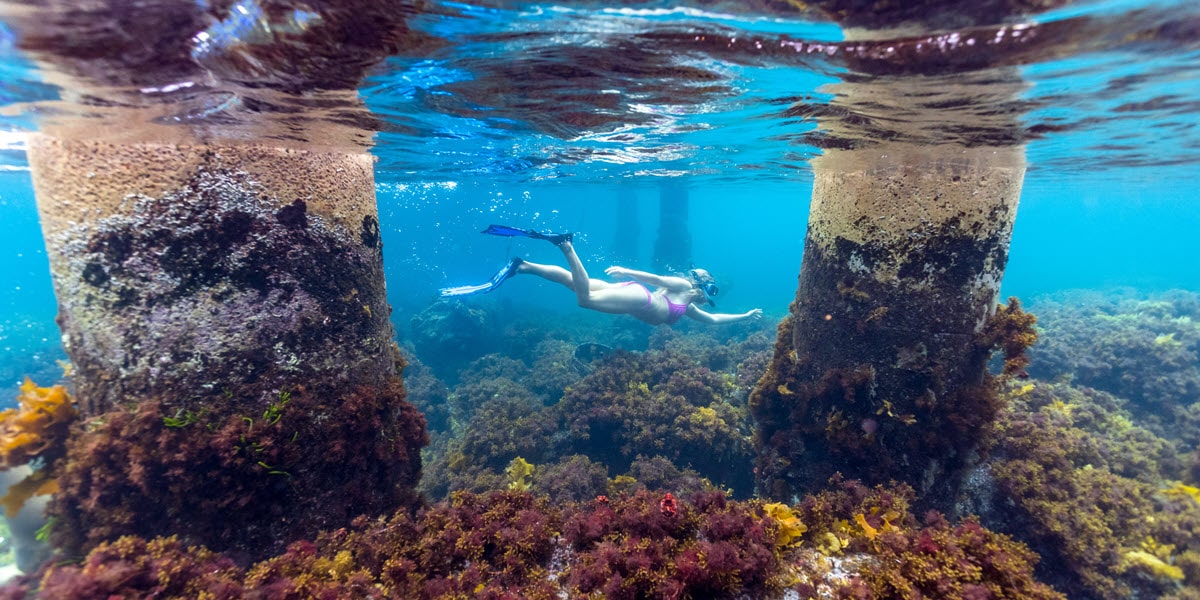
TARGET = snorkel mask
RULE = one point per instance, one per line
(706, 283)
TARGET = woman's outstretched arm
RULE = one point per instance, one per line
(715, 318)
(675, 284)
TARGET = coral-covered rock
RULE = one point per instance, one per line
(428, 394)
(1144, 350)
(489, 377)
(132, 567)
(574, 478)
(658, 473)
(511, 545)
(244, 480)
(864, 543)
(653, 404)
(555, 368)
(961, 561)
(709, 548)
(659, 403)
(502, 429)
(1086, 488)
(482, 546)
(450, 333)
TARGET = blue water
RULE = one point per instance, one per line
(1127, 229)
(1109, 199)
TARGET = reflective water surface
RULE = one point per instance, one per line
(725, 91)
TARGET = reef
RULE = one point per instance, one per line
(629, 408)
(1096, 495)
(653, 546)
(427, 394)
(238, 476)
(1143, 349)
(658, 403)
(511, 544)
(615, 475)
(864, 542)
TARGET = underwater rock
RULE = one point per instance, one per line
(449, 334)
(1090, 491)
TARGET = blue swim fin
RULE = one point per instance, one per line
(500, 277)
(506, 231)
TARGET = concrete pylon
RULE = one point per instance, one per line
(220, 279)
(191, 270)
(226, 300)
(878, 371)
(627, 239)
(673, 245)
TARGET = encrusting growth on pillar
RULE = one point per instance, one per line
(231, 266)
(880, 369)
(225, 311)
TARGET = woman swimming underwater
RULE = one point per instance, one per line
(671, 299)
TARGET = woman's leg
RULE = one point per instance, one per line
(578, 274)
(608, 297)
(595, 294)
(558, 275)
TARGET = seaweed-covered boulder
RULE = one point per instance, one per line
(1092, 492)
(449, 334)
(1144, 350)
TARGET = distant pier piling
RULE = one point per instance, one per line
(673, 244)
(626, 240)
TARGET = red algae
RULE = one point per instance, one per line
(512, 544)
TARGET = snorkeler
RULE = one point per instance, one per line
(672, 297)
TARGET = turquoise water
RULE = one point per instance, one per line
(1108, 201)
(583, 117)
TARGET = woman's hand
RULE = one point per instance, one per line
(617, 272)
(755, 314)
